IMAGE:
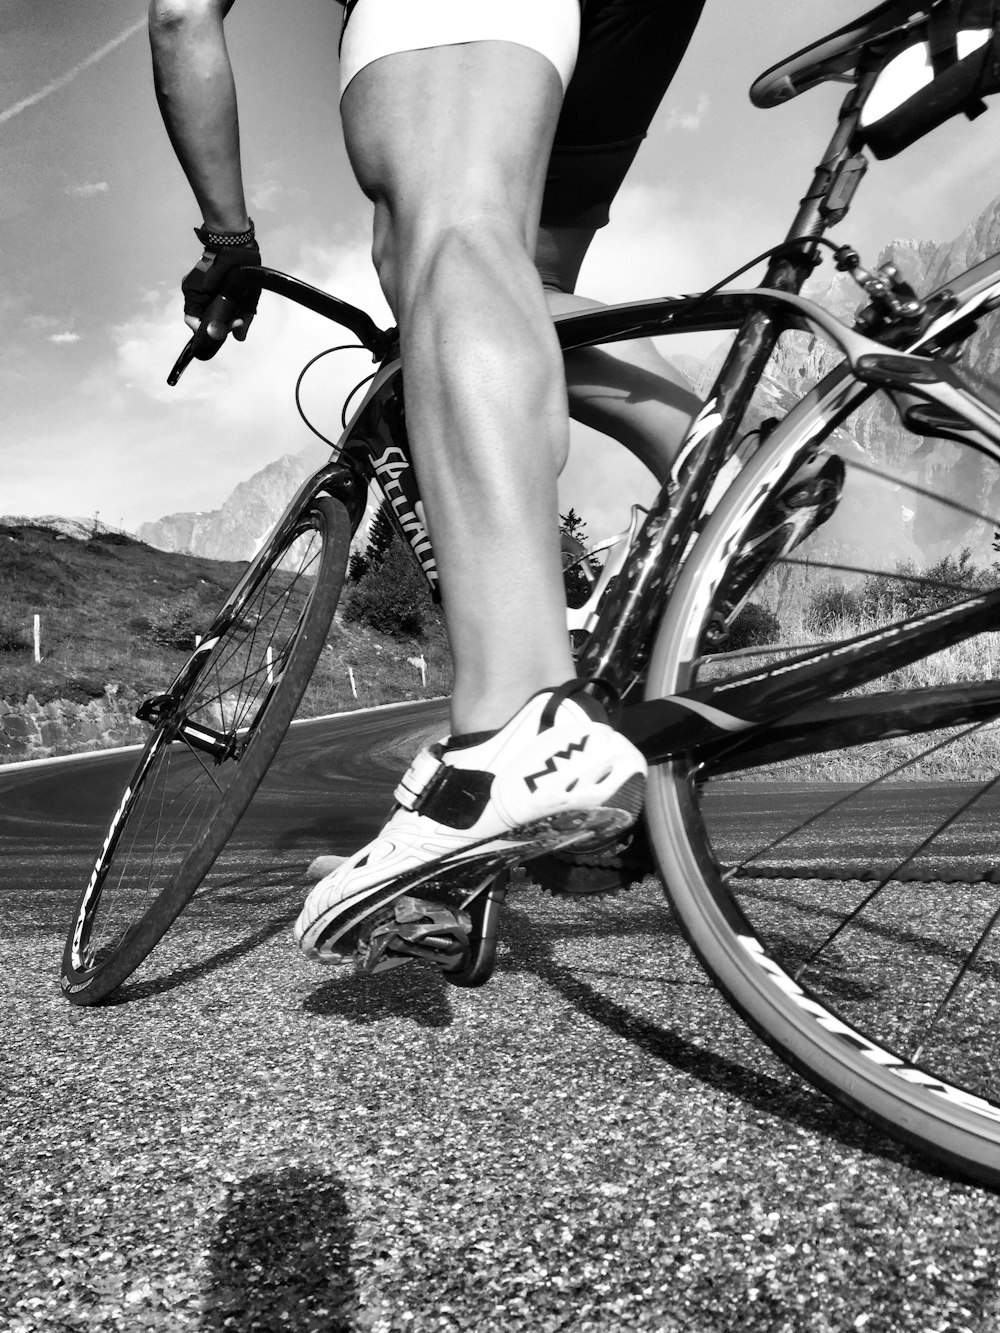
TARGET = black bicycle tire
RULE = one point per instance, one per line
(83, 986)
(941, 1120)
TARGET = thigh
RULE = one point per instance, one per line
(438, 87)
(441, 135)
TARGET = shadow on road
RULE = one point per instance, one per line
(411, 991)
(235, 899)
(279, 1257)
(790, 1100)
(146, 990)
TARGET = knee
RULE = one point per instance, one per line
(384, 255)
(452, 258)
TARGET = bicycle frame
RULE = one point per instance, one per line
(374, 448)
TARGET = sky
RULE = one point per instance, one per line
(96, 232)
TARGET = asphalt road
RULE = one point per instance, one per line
(592, 1142)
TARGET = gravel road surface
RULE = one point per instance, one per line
(590, 1143)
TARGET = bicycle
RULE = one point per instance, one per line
(874, 988)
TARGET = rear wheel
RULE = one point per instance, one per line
(847, 902)
(215, 732)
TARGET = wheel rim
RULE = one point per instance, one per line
(200, 768)
(849, 902)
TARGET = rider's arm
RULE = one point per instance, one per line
(197, 98)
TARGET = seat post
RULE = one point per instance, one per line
(829, 196)
(824, 204)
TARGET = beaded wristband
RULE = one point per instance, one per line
(225, 240)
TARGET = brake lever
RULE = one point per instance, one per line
(202, 347)
(182, 363)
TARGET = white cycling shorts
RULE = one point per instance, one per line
(376, 28)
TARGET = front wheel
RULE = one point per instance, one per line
(844, 896)
(214, 734)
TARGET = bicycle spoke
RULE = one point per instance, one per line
(853, 795)
(963, 971)
(911, 856)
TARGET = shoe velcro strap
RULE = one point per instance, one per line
(415, 780)
(453, 796)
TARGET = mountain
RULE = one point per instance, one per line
(237, 529)
(81, 529)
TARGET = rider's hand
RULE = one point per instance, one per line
(224, 251)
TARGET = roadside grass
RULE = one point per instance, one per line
(116, 612)
(112, 610)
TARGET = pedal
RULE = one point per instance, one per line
(459, 940)
(414, 928)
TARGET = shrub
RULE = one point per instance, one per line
(14, 637)
(909, 592)
(176, 624)
(391, 596)
(755, 625)
(829, 606)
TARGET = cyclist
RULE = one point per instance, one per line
(491, 138)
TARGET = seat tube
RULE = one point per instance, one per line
(615, 651)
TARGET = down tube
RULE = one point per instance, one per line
(377, 442)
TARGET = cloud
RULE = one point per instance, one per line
(688, 120)
(154, 450)
(87, 191)
(263, 194)
(64, 338)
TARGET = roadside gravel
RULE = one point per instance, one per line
(592, 1142)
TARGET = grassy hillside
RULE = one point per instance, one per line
(115, 611)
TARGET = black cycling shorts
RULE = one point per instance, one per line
(629, 52)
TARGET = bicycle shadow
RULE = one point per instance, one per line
(417, 993)
(267, 885)
(791, 1099)
(279, 1256)
(423, 996)
(412, 992)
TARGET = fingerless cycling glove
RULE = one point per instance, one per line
(224, 251)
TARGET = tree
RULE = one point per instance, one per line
(357, 566)
(573, 538)
(388, 593)
(392, 596)
(381, 534)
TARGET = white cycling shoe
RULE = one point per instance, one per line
(556, 775)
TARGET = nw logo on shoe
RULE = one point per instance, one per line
(575, 747)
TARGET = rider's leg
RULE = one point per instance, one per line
(451, 143)
(629, 50)
(626, 390)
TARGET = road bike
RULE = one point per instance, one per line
(873, 697)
